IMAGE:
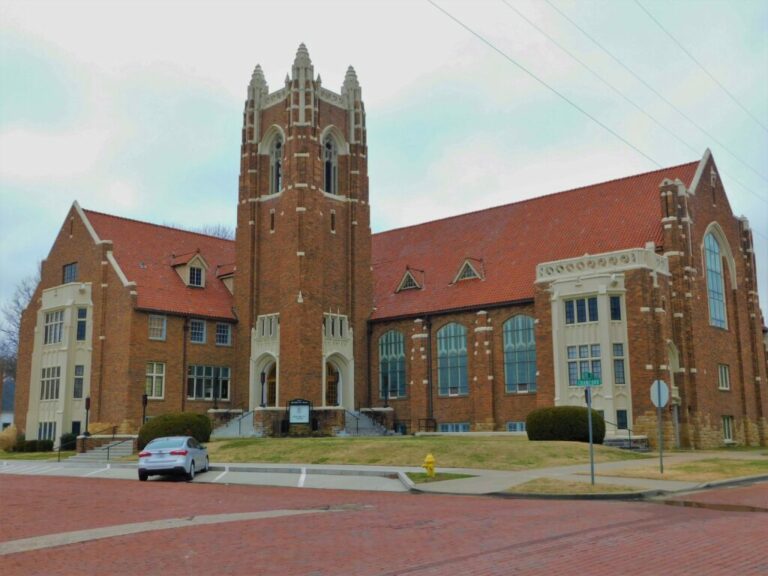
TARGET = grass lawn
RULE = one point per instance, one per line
(35, 455)
(698, 471)
(422, 478)
(552, 486)
(495, 453)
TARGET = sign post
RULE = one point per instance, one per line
(587, 380)
(660, 397)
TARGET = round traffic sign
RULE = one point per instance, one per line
(659, 393)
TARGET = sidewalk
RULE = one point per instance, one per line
(497, 482)
(395, 479)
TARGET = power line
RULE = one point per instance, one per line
(700, 65)
(568, 100)
(655, 91)
(603, 80)
(543, 83)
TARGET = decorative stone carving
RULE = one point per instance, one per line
(607, 262)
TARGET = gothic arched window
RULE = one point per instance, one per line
(330, 166)
(715, 284)
(519, 354)
(276, 166)
(452, 360)
(392, 365)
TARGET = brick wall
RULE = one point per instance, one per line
(488, 406)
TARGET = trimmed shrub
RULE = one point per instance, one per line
(44, 446)
(564, 423)
(177, 424)
(68, 441)
(33, 446)
(8, 438)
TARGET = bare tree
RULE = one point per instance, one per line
(218, 230)
(10, 320)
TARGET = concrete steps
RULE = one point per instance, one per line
(635, 443)
(112, 451)
(239, 427)
(360, 424)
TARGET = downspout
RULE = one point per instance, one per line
(369, 333)
(428, 326)
(184, 363)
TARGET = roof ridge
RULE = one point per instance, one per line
(166, 226)
(499, 206)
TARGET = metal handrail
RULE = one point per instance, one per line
(240, 422)
(73, 445)
(357, 420)
(629, 430)
(110, 446)
(88, 434)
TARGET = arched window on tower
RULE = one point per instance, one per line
(276, 166)
(715, 284)
(330, 166)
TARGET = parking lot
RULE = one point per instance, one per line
(288, 476)
(89, 525)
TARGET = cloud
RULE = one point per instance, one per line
(34, 156)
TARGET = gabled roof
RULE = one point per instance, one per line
(512, 239)
(145, 253)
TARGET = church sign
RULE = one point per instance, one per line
(299, 410)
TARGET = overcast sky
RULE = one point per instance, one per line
(134, 108)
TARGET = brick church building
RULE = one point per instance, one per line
(461, 324)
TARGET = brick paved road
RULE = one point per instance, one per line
(374, 533)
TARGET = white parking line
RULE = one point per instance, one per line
(97, 471)
(33, 468)
(220, 476)
(303, 477)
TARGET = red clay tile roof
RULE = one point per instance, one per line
(225, 270)
(178, 260)
(145, 252)
(511, 240)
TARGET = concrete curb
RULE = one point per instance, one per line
(731, 482)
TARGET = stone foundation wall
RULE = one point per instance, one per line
(274, 423)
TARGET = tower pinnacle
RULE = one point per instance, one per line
(258, 81)
(302, 59)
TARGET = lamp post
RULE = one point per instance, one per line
(87, 412)
(263, 388)
(143, 409)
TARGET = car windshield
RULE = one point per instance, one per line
(166, 443)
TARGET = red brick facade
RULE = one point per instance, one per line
(304, 258)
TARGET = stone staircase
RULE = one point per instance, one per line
(239, 427)
(112, 451)
(359, 424)
(635, 443)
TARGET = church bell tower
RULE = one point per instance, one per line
(303, 288)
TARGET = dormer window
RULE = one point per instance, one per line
(408, 282)
(467, 272)
(196, 276)
(191, 268)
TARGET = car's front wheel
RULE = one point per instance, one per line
(191, 473)
(207, 465)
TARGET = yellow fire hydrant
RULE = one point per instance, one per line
(429, 465)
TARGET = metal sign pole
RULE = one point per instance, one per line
(588, 394)
(661, 433)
